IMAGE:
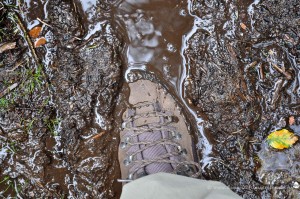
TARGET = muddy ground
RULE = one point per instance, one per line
(232, 65)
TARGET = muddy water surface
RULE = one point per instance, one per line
(156, 43)
(155, 31)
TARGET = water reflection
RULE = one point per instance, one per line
(155, 29)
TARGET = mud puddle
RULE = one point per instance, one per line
(154, 39)
(60, 124)
(156, 43)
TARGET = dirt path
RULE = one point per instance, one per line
(232, 65)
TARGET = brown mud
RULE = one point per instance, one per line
(233, 66)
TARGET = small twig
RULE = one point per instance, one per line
(19, 5)
(254, 141)
(286, 74)
(243, 41)
(44, 23)
(77, 38)
(232, 52)
(98, 135)
(31, 47)
(7, 90)
(261, 71)
(13, 86)
(3, 132)
(31, 109)
(278, 87)
(7, 46)
(17, 64)
(248, 66)
(236, 132)
(2, 6)
(294, 105)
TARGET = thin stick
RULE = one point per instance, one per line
(261, 72)
(7, 90)
(19, 63)
(31, 47)
(248, 66)
(287, 75)
(44, 23)
(36, 59)
(98, 135)
(7, 46)
(236, 132)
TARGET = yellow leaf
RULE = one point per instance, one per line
(281, 139)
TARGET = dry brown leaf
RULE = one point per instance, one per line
(35, 32)
(291, 120)
(243, 26)
(41, 41)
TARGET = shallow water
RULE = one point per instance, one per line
(157, 35)
(154, 36)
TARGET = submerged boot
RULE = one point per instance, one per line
(154, 135)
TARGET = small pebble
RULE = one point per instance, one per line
(296, 185)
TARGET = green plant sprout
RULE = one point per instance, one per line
(11, 184)
(52, 125)
(4, 103)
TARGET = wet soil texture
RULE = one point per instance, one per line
(233, 66)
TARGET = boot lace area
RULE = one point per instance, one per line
(153, 144)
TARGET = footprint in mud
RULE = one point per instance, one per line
(85, 77)
(234, 82)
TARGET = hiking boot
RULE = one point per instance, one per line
(154, 135)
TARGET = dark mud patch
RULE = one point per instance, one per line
(69, 148)
(60, 124)
(234, 82)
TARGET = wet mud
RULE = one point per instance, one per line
(233, 66)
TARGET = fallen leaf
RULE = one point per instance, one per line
(35, 32)
(281, 139)
(291, 120)
(243, 26)
(40, 42)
